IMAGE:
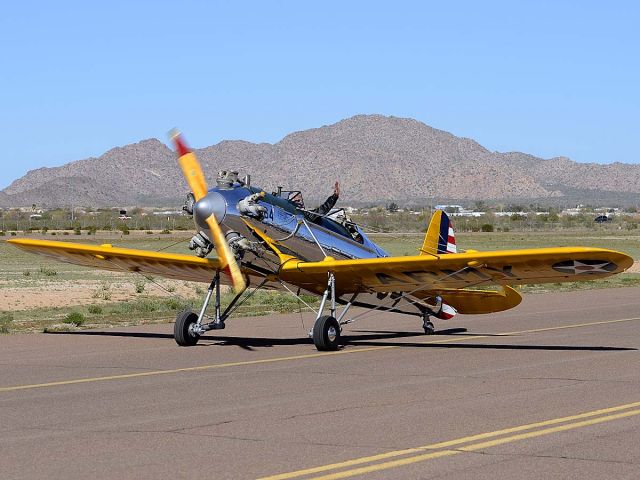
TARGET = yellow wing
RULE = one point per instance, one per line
(457, 271)
(106, 257)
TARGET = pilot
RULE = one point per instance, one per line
(341, 217)
(322, 209)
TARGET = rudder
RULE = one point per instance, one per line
(440, 237)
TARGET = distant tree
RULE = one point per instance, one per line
(392, 207)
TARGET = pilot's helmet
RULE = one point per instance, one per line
(297, 200)
(338, 215)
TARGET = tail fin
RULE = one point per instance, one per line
(440, 237)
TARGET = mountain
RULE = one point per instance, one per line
(375, 158)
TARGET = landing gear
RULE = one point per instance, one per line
(427, 324)
(189, 326)
(326, 333)
(429, 328)
(183, 330)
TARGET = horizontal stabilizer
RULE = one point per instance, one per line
(476, 301)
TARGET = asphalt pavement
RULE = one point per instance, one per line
(550, 389)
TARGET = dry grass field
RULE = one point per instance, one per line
(39, 294)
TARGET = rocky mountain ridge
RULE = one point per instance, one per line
(376, 159)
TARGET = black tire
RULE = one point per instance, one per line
(326, 333)
(181, 333)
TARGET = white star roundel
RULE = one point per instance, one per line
(584, 267)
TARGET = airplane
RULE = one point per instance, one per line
(271, 240)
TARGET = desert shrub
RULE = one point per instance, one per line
(145, 306)
(48, 271)
(149, 232)
(26, 273)
(95, 309)
(139, 286)
(166, 231)
(76, 231)
(487, 227)
(103, 292)
(74, 318)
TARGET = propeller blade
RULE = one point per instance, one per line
(195, 178)
(190, 166)
(227, 259)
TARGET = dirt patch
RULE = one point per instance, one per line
(635, 268)
(73, 293)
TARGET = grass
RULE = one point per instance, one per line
(141, 310)
(6, 321)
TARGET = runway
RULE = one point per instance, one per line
(550, 389)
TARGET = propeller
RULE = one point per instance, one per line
(195, 178)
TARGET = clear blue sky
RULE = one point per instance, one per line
(542, 77)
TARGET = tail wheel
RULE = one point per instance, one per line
(183, 332)
(429, 328)
(326, 333)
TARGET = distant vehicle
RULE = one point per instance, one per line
(602, 219)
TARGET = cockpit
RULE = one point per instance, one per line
(335, 220)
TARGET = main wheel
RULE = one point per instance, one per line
(183, 329)
(326, 333)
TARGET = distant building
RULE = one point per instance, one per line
(458, 211)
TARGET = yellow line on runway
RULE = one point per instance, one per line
(575, 325)
(288, 358)
(468, 448)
